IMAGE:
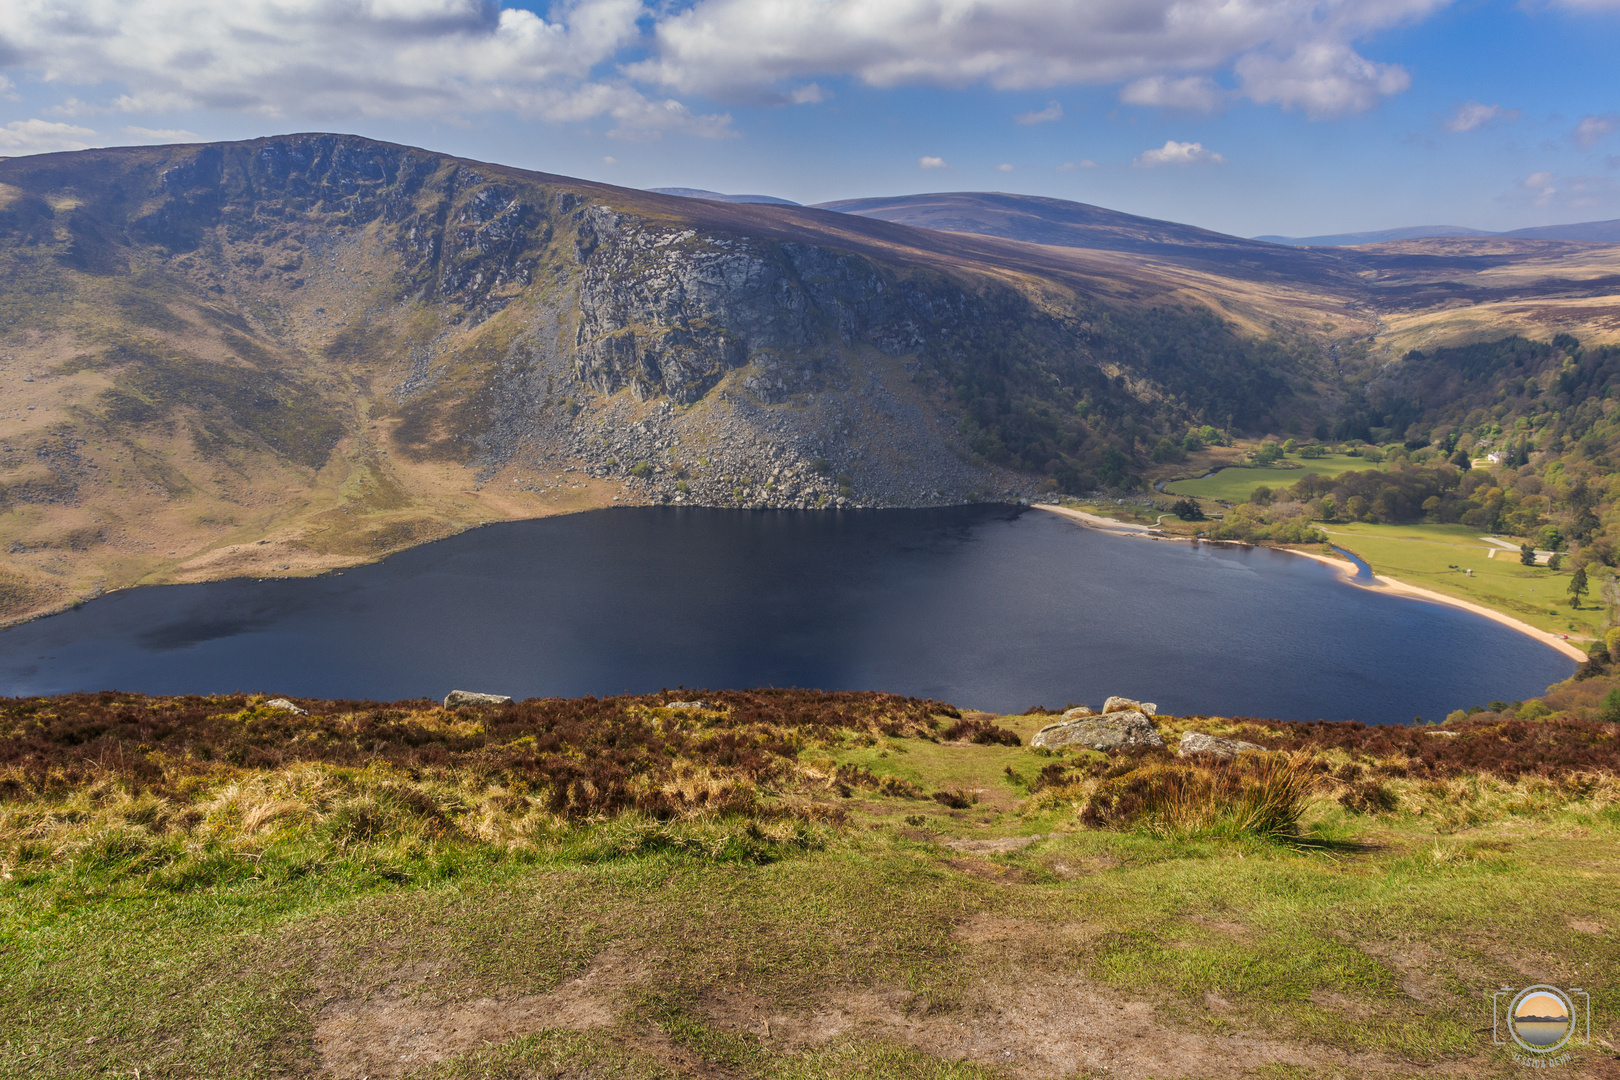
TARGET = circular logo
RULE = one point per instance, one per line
(1541, 1018)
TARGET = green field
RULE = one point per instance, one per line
(1235, 484)
(1424, 555)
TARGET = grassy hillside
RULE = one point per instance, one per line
(785, 884)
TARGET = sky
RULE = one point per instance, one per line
(1292, 117)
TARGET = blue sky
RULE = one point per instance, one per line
(1249, 116)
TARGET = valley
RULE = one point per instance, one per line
(290, 355)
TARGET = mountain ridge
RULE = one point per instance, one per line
(294, 353)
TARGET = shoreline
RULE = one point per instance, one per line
(1379, 583)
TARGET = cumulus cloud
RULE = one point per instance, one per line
(1194, 92)
(1541, 185)
(21, 137)
(1297, 53)
(1474, 114)
(1178, 153)
(1053, 111)
(346, 58)
(1004, 167)
(1594, 129)
(930, 163)
(1324, 79)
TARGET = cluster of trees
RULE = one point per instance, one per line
(1036, 396)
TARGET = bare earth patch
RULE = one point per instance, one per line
(393, 1034)
(1047, 1029)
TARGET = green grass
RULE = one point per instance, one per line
(227, 983)
(899, 944)
(1235, 484)
(1424, 555)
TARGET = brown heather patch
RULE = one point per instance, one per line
(578, 757)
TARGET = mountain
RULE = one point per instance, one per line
(296, 353)
(1060, 223)
(1587, 232)
(300, 352)
(1413, 232)
(715, 196)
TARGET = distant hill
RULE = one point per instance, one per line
(1061, 223)
(1381, 236)
(1588, 232)
(715, 196)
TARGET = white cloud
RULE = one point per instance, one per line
(345, 58)
(1083, 163)
(930, 163)
(1576, 194)
(1594, 129)
(808, 94)
(1474, 114)
(162, 135)
(1325, 79)
(1541, 185)
(8, 90)
(1004, 167)
(1178, 153)
(1053, 111)
(1194, 92)
(21, 137)
(1297, 53)
(610, 160)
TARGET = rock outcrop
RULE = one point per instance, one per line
(691, 706)
(1121, 729)
(1196, 742)
(455, 699)
(284, 705)
(1116, 704)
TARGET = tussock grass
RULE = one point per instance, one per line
(1260, 796)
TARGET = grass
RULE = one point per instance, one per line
(1434, 556)
(882, 936)
(1236, 483)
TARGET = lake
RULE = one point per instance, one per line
(984, 607)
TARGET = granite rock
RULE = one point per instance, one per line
(1118, 730)
(455, 699)
(1196, 742)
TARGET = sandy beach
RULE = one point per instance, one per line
(1348, 569)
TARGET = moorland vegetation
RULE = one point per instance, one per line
(785, 883)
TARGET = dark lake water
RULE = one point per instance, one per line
(980, 606)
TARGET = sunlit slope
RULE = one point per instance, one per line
(295, 353)
(1394, 296)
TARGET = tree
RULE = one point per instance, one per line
(1556, 561)
(1578, 587)
(1187, 510)
(1609, 711)
(1527, 555)
(1290, 446)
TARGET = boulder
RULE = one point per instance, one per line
(1116, 704)
(1196, 742)
(285, 706)
(1077, 712)
(1118, 730)
(455, 699)
(698, 706)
